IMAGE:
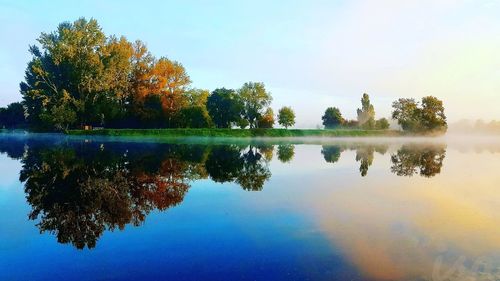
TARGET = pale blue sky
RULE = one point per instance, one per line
(310, 54)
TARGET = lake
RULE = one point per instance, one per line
(77, 208)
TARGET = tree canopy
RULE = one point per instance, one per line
(286, 117)
(332, 118)
(255, 98)
(425, 117)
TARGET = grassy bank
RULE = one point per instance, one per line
(240, 133)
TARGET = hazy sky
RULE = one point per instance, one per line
(310, 54)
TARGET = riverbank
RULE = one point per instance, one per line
(239, 133)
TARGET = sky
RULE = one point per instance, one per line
(310, 54)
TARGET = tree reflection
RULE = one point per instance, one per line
(365, 155)
(77, 194)
(286, 152)
(331, 153)
(255, 171)
(77, 190)
(426, 161)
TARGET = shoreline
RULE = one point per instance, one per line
(236, 133)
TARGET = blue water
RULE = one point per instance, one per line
(334, 210)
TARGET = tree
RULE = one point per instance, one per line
(80, 64)
(332, 118)
(286, 117)
(429, 117)
(225, 107)
(407, 113)
(195, 117)
(432, 114)
(171, 82)
(382, 124)
(255, 98)
(194, 113)
(12, 116)
(267, 119)
(366, 115)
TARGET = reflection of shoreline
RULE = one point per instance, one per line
(78, 190)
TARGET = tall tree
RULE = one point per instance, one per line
(255, 98)
(76, 68)
(366, 115)
(332, 118)
(286, 117)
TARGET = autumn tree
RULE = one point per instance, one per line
(255, 98)
(286, 117)
(76, 69)
(266, 120)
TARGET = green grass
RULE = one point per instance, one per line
(239, 133)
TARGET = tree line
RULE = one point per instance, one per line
(411, 116)
(79, 76)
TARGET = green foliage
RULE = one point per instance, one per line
(195, 117)
(331, 153)
(286, 117)
(242, 123)
(12, 116)
(266, 120)
(332, 118)
(255, 98)
(427, 118)
(286, 152)
(382, 124)
(366, 115)
(246, 133)
(225, 107)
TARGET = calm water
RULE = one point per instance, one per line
(102, 209)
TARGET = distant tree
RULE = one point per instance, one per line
(286, 117)
(382, 124)
(429, 117)
(255, 98)
(286, 152)
(267, 119)
(351, 124)
(366, 115)
(225, 107)
(12, 116)
(332, 118)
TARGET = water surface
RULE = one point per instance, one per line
(122, 209)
